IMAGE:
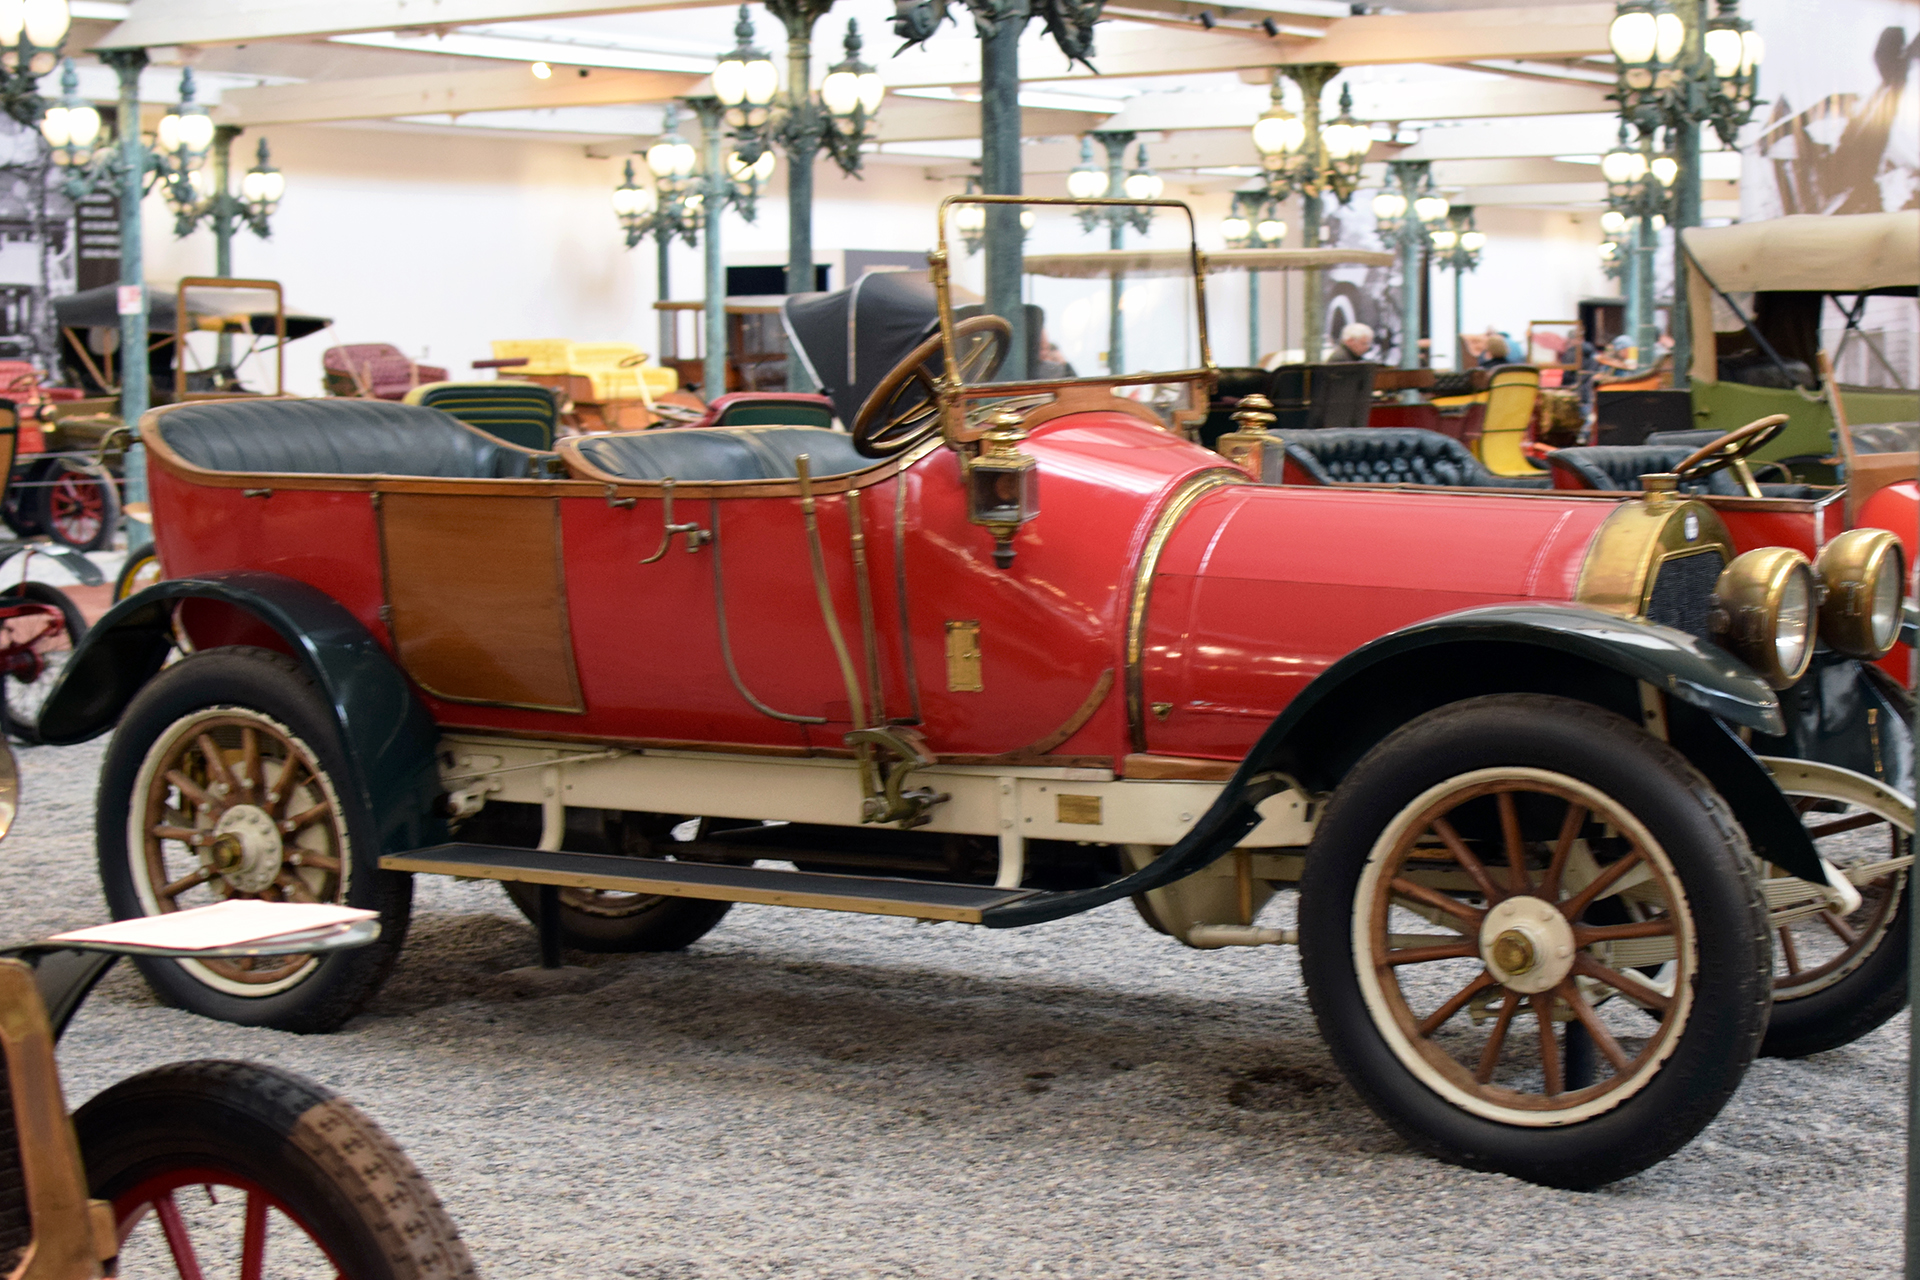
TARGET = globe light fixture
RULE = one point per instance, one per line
(1270, 231)
(746, 79)
(1613, 222)
(262, 186)
(1143, 183)
(1431, 208)
(1235, 229)
(671, 158)
(72, 126)
(1087, 182)
(852, 90)
(1389, 207)
(185, 134)
(1444, 239)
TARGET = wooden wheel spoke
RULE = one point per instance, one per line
(1569, 991)
(1437, 900)
(1585, 935)
(318, 861)
(253, 1238)
(1576, 906)
(306, 816)
(1789, 952)
(1632, 988)
(216, 764)
(1553, 1081)
(1458, 1001)
(1516, 846)
(282, 786)
(198, 876)
(1854, 823)
(1490, 1055)
(1461, 950)
(292, 888)
(168, 831)
(1468, 862)
(189, 788)
(1841, 929)
(1563, 847)
(174, 1227)
(250, 760)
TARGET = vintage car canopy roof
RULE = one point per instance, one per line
(852, 338)
(1155, 262)
(1824, 253)
(100, 307)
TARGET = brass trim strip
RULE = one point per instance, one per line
(863, 592)
(856, 705)
(900, 590)
(726, 641)
(1075, 722)
(1191, 490)
(677, 889)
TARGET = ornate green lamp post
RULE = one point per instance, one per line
(1090, 183)
(1253, 222)
(1407, 217)
(1458, 245)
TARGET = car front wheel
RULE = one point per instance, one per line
(226, 778)
(1533, 940)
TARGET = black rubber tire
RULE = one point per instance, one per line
(17, 507)
(333, 1170)
(1708, 851)
(1863, 1001)
(340, 984)
(666, 924)
(46, 495)
(20, 700)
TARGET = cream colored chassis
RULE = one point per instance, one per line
(1214, 907)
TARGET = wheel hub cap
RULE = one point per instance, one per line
(1527, 944)
(246, 848)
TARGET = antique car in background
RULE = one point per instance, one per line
(164, 1172)
(1541, 775)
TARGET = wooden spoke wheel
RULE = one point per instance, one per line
(40, 626)
(78, 505)
(1839, 975)
(235, 805)
(227, 778)
(1557, 924)
(906, 405)
(240, 1169)
(1534, 940)
(141, 571)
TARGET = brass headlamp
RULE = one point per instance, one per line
(1864, 574)
(1003, 484)
(1764, 611)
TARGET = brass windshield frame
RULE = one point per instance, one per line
(953, 395)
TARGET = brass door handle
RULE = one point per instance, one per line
(697, 537)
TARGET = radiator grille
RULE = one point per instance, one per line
(1683, 593)
(16, 1226)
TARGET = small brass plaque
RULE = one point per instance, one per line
(963, 659)
(1083, 810)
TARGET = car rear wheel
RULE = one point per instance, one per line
(223, 1168)
(1838, 976)
(39, 631)
(1533, 940)
(77, 504)
(226, 778)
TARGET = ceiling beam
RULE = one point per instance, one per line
(1442, 99)
(154, 23)
(507, 89)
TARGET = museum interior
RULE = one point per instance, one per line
(1308, 617)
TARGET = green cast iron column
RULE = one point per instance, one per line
(713, 204)
(1116, 145)
(1000, 176)
(136, 394)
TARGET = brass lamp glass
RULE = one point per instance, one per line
(1003, 485)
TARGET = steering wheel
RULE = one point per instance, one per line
(1734, 447)
(901, 410)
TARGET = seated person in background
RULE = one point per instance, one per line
(1494, 352)
(1355, 341)
(1053, 361)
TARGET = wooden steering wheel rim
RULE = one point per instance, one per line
(866, 442)
(1741, 442)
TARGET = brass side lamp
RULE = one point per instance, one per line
(1003, 485)
(1246, 445)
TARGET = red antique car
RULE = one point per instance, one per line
(1547, 774)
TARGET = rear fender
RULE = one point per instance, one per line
(1558, 649)
(390, 739)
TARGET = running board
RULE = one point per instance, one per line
(871, 895)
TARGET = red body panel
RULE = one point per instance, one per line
(1262, 588)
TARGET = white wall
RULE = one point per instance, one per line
(440, 243)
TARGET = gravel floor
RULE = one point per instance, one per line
(804, 1094)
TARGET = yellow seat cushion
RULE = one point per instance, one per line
(543, 355)
(598, 362)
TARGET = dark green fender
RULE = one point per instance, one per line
(1559, 649)
(389, 737)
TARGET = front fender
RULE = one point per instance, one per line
(390, 739)
(1560, 649)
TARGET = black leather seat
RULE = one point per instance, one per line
(1617, 468)
(340, 436)
(1395, 455)
(721, 453)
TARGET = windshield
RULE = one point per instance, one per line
(1085, 308)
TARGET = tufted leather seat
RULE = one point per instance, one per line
(339, 437)
(1617, 468)
(1387, 455)
(719, 453)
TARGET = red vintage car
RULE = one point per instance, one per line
(1545, 784)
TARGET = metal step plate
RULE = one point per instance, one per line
(872, 895)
